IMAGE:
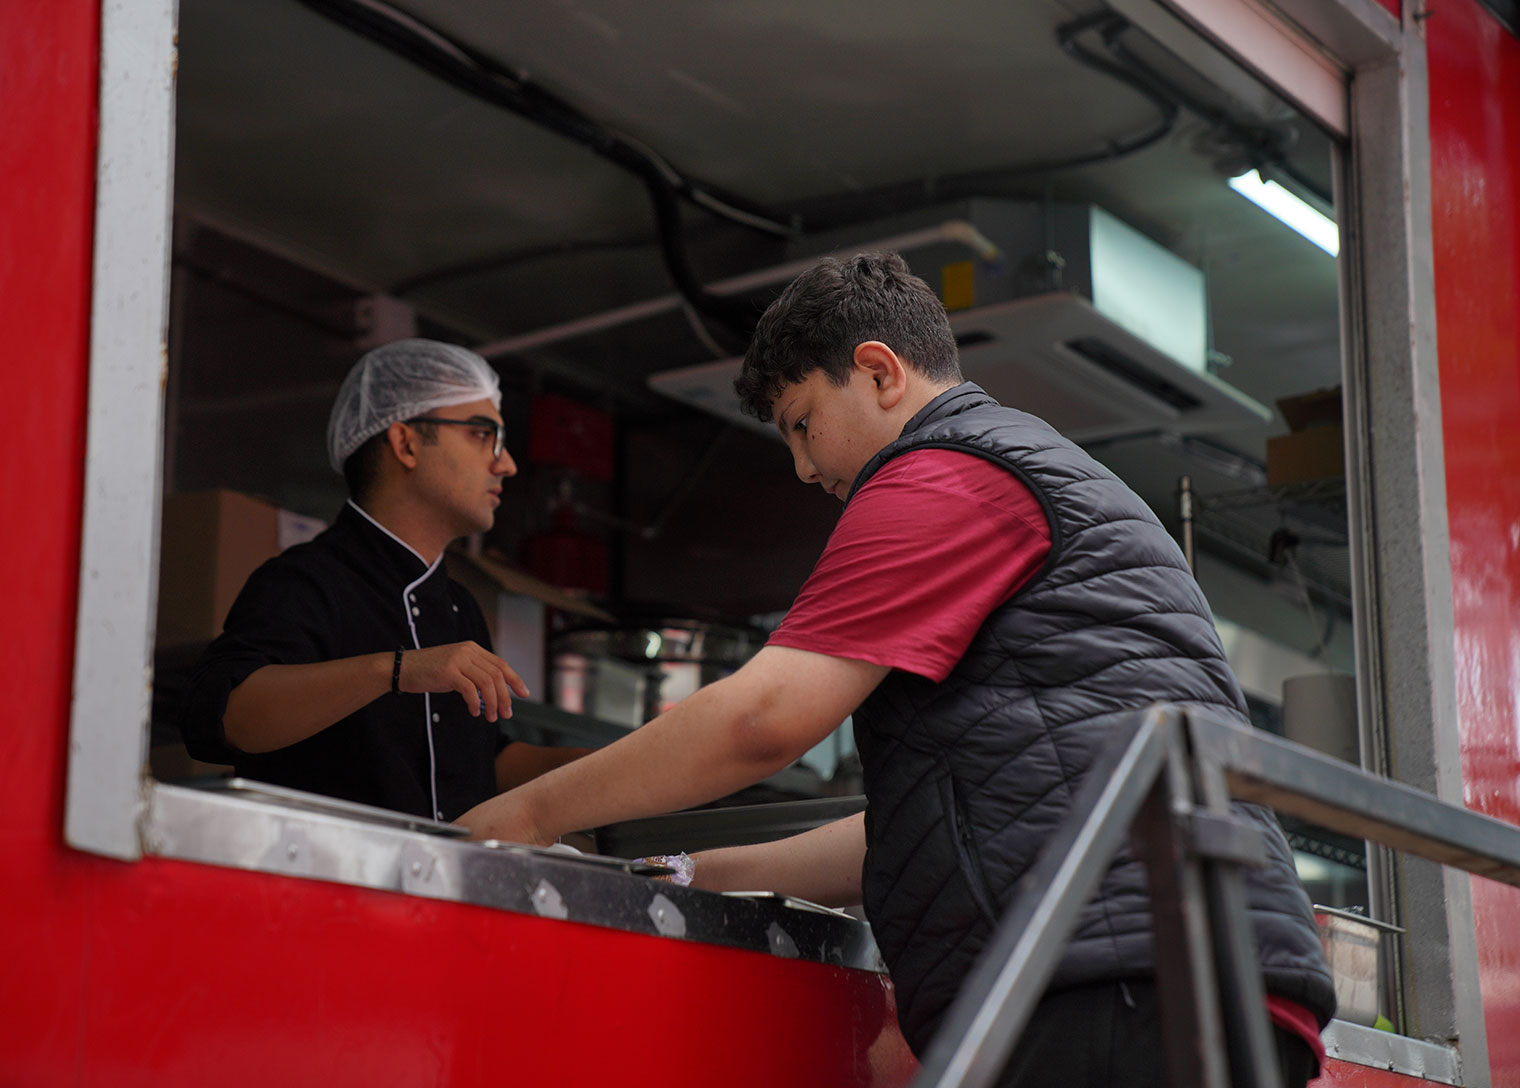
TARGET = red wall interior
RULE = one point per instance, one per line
(1475, 184)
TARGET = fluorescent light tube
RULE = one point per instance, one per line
(1273, 198)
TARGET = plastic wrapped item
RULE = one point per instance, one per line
(683, 864)
(400, 380)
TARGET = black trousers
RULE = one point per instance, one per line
(1109, 1036)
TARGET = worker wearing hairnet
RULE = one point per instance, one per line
(353, 666)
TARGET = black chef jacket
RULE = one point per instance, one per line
(355, 589)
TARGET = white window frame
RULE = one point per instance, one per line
(108, 784)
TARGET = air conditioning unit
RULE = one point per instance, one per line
(1083, 321)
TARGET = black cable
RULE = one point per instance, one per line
(1263, 145)
(1112, 25)
(996, 182)
(496, 262)
(473, 72)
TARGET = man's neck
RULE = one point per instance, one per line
(415, 528)
(920, 395)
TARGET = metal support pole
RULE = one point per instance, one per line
(1185, 515)
(983, 1023)
(1186, 988)
(1253, 1055)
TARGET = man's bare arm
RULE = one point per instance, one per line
(727, 735)
(822, 865)
(278, 705)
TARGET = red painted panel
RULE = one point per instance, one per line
(1475, 186)
(1346, 1075)
(169, 970)
(47, 82)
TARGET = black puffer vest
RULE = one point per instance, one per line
(969, 777)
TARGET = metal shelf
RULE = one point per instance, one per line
(1254, 525)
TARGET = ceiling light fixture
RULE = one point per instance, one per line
(1302, 217)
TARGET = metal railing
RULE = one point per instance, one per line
(1167, 785)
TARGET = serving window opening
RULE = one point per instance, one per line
(1143, 253)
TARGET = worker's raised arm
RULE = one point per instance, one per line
(727, 735)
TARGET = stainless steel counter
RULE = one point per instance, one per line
(319, 841)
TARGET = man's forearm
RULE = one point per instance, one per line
(822, 865)
(694, 753)
(727, 735)
(520, 762)
(281, 704)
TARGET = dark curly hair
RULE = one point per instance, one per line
(819, 319)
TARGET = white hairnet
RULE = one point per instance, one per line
(400, 380)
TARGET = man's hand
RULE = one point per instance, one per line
(502, 817)
(484, 680)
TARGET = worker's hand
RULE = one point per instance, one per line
(484, 680)
(502, 817)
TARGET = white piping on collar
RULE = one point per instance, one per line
(430, 566)
(406, 610)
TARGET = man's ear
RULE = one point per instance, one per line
(885, 369)
(403, 443)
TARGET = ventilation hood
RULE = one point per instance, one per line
(1082, 320)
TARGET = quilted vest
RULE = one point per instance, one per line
(967, 778)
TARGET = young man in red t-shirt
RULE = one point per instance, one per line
(931, 546)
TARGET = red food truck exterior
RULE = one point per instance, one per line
(159, 971)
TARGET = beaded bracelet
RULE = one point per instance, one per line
(396, 675)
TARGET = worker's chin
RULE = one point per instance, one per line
(480, 523)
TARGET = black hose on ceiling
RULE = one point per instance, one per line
(1003, 181)
(467, 69)
(1263, 145)
(1112, 25)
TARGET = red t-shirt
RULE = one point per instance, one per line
(920, 557)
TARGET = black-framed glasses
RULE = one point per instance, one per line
(480, 423)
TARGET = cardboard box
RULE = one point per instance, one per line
(1315, 454)
(209, 543)
(1321, 408)
(1316, 447)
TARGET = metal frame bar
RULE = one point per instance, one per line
(983, 1024)
(1397, 506)
(1262, 42)
(1187, 989)
(1271, 771)
(1172, 777)
(118, 562)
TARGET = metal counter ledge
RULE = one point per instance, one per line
(301, 835)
